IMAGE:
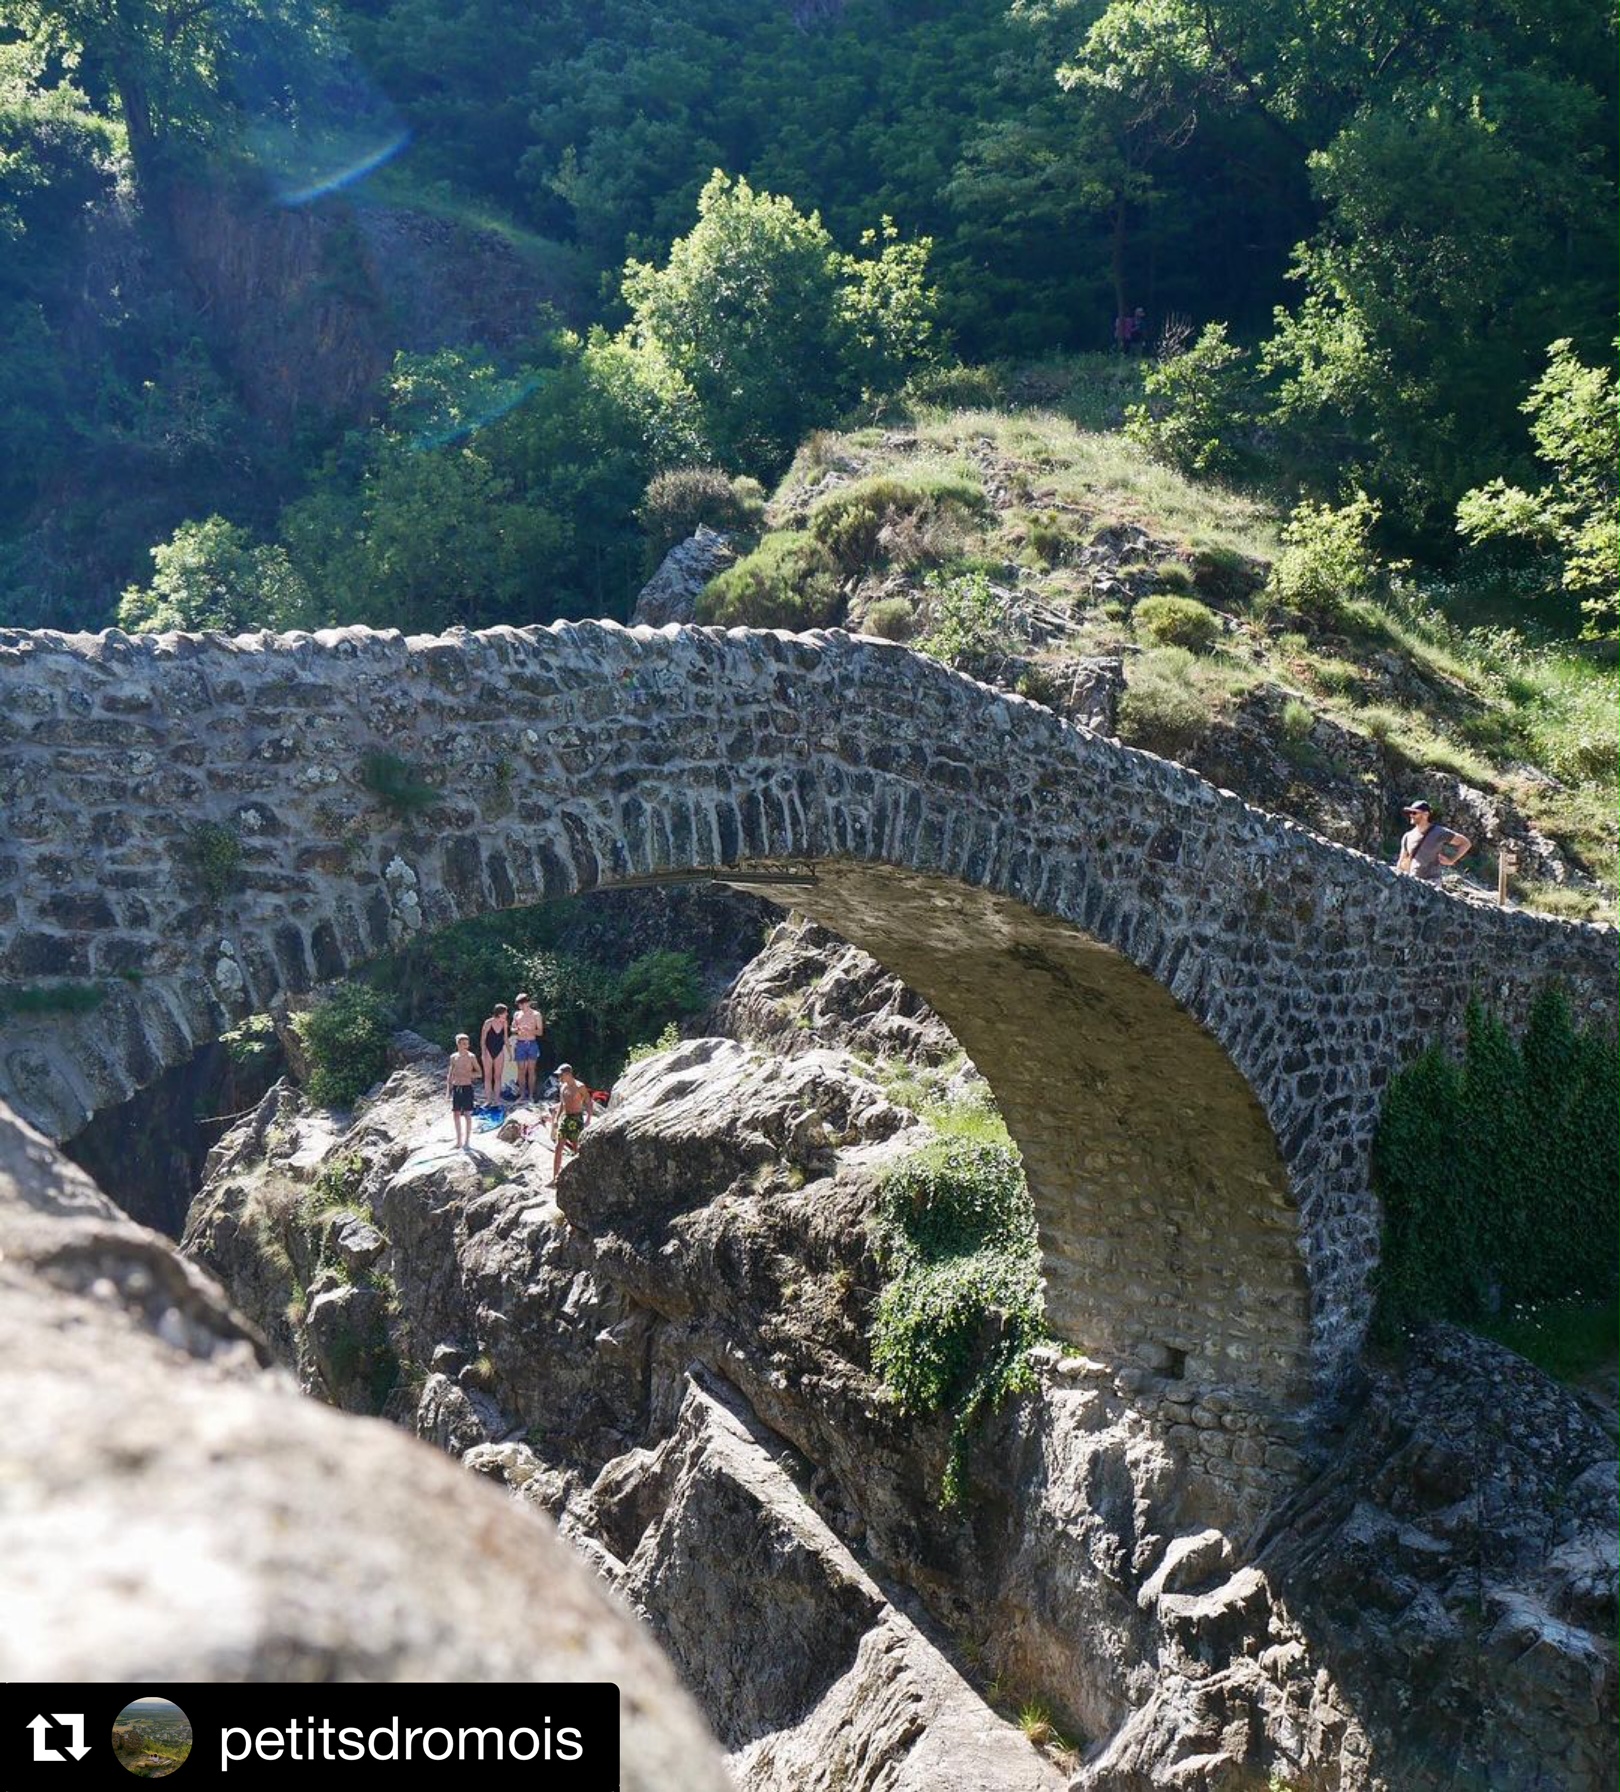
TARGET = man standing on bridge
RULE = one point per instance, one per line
(1428, 849)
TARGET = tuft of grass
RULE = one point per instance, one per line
(1569, 902)
(1570, 1339)
(397, 784)
(892, 619)
(50, 998)
(1173, 697)
(920, 518)
(1039, 1726)
(1170, 621)
(1297, 722)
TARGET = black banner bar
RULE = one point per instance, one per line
(83, 1737)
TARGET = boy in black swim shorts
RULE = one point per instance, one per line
(458, 1084)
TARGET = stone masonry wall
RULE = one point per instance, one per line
(1188, 1008)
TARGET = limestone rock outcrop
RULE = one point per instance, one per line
(671, 594)
(175, 1512)
(807, 988)
(669, 1353)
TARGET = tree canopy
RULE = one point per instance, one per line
(756, 218)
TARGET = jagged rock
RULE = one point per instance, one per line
(347, 1331)
(458, 1419)
(1489, 820)
(1440, 1562)
(175, 1513)
(810, 1675)
(671, 594)
(808, 989)
(1090, 690)
(359, 1243)
(780, 1124)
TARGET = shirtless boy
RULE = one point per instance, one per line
(528, 1024)
(572, 1115)
(458, 1085)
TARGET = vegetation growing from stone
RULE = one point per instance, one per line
(911, 521)
(649, 1048)
(337, 1185)
(397, 784)
(969, 624)
(1500, 1175)
(961, 1305)
(50, 998)
(1170, 621)
(789, 581)
(213, 855)
(345, 1036)
(678, 502)
(251, 1042)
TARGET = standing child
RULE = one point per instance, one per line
(573, 1113)
(458, 1085)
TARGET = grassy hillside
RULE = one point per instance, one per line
(1021, 537)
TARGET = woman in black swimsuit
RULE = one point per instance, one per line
(492, 1047)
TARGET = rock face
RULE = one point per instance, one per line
(1467, 1533)
(671, 594)
(809, 989)
(153, 1148)
(668, 1352)
(174, 1511)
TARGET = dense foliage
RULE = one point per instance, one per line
(1365, 232)
(345, 1037)
(597, 1000)
(1499, 1175)
(961, 1304)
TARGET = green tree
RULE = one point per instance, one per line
(1463, 178)
(212, 575)
(773, 329)
(485, 496)
(1199, 407)
(172, 71)
(1573, 423)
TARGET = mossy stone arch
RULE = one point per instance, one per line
(1187, 1008)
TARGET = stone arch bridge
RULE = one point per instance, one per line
(1187, 1008)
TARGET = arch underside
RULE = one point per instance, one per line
(1168, 1230)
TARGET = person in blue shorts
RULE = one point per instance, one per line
(528, 1027)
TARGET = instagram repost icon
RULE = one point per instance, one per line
(151, 1737)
